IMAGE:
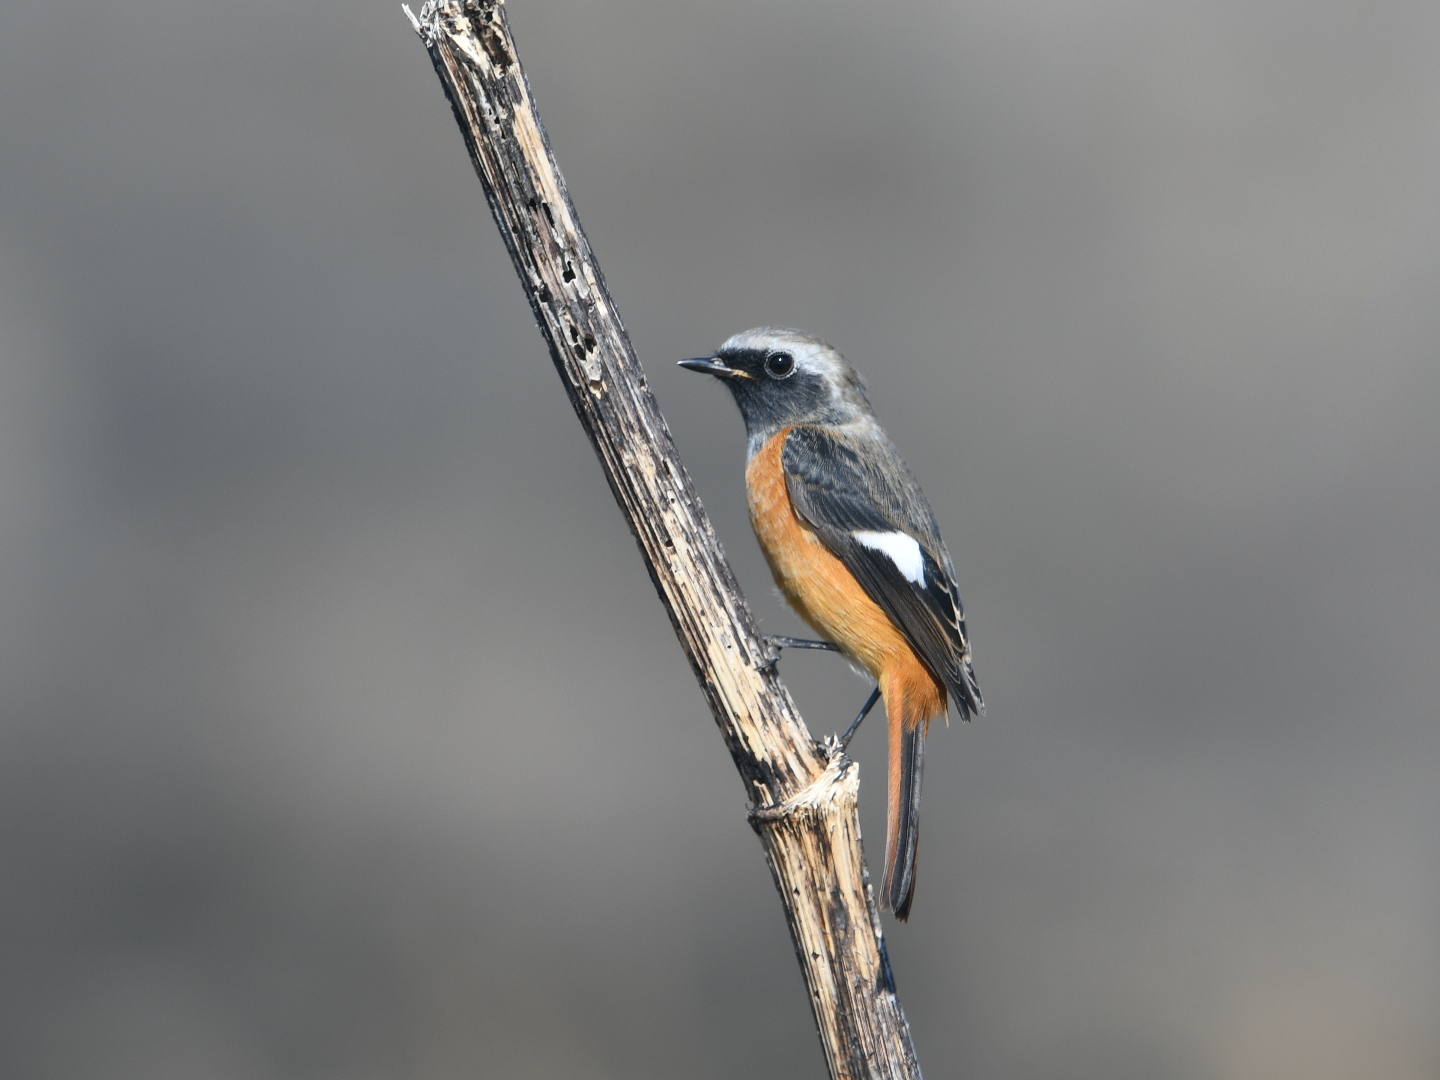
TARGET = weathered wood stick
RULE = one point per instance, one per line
(804, 793)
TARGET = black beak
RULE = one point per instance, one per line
(711, 366)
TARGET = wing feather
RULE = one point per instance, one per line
(856, 492)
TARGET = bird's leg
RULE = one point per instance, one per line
(864, 712)
(780, 642)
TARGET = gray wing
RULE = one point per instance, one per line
(866, 507)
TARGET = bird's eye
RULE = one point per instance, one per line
(779, 365)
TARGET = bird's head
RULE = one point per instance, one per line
(784, 377)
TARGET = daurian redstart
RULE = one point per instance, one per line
(855, 549)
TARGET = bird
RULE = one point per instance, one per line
(854, 547)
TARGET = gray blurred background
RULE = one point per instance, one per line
(341, 733)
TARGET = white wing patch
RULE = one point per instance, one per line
(904, 551)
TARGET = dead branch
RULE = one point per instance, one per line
(803, 793)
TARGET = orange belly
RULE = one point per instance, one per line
(828, 597)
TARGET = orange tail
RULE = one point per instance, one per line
(902, 832)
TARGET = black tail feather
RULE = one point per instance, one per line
(898, 884)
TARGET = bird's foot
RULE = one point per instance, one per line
(776, 642)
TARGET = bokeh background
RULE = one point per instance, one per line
(341, 733)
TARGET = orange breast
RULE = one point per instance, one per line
(828, 597)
